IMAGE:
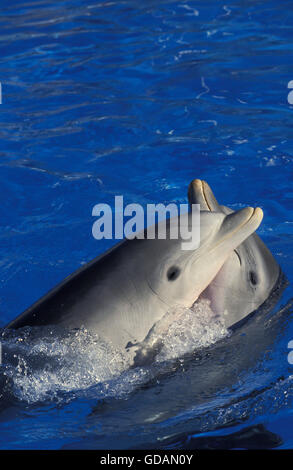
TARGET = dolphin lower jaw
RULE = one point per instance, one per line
(215, 298)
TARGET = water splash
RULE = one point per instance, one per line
(43, 363)
(181, 331)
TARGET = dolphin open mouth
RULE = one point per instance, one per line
(247, 219)
(234, 227)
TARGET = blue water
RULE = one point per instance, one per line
(136, 99)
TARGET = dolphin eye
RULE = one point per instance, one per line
(173, 273)
(253, 278)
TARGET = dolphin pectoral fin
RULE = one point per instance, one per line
(153, 343)
(146, 354)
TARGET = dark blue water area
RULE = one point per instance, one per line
(137, 98)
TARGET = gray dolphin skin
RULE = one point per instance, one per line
(247, 277)
(122, 294)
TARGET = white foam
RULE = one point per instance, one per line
(187, 330)
(49, 363)
(43, 363)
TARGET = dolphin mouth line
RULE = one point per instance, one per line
(254, 213)
(205, 195)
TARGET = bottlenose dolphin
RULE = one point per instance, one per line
(123, 293)
(247, 277)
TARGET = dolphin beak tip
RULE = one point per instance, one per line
(258, 212)
(254, 215)
(196, 183)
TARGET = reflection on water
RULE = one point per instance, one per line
(139, 98)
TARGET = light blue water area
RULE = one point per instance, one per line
(137, 98)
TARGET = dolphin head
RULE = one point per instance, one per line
(178, 276)
(248, 275)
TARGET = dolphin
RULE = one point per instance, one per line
(248, 276)
(122, 294)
